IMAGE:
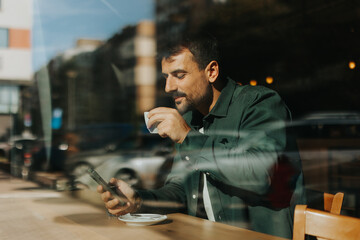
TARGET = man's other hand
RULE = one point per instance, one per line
(169, 123)
(131, 199)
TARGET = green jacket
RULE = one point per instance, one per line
(252, 181)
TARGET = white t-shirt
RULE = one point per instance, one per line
(206, 196)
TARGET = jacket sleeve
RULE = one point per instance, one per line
(169, 198)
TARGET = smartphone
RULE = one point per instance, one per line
(105, 185)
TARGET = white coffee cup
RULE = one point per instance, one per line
(153, 129)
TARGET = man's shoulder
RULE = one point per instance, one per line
(250, 98)
(251, 93)
(248, 89)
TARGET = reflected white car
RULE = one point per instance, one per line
(143, 166)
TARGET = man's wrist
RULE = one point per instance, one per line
(185, 135)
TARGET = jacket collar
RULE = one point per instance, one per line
(222, 104)
(195, 118)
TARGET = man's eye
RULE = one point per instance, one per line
(180, 76)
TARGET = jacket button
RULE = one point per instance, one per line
(194, 196)
(187, 158)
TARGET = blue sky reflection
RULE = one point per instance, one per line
(58, 23)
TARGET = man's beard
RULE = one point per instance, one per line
(185, 105)
(188, 104)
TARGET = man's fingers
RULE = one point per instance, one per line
(157, 117)
(117, 209)
(99, 189)
(159, 110)
(120, 211)
(162, 131)
(160, 117)
(106, 196)
(113, 181)
(112, 204)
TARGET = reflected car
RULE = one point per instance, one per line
(21, 155)
(328, 125)
(88, 139)
(142, 161)
(5, 150)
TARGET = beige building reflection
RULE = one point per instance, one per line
(145, 69)
(15, 60)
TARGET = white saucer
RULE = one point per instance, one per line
(142, 219)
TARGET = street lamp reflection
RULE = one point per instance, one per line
(352, 65)
(269, 80)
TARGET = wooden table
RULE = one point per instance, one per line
(181, 226)
(28, 212)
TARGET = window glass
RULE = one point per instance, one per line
(9, 99)
(4, 38)
(242, 128)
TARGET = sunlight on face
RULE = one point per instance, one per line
(187, 83)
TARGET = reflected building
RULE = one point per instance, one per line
(103, 82)
(71, 80)
(15, 60)
(136, 68)
(145, 69)
(127, 62)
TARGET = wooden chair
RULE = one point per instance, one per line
(333, 203)
(324, 224)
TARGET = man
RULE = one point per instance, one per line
(229, 139)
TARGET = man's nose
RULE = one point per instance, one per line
(170, 85)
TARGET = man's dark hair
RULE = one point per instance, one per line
(203, 46)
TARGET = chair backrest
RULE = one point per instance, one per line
(333, 203)
(324, 224)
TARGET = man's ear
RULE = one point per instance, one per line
(212, 71)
